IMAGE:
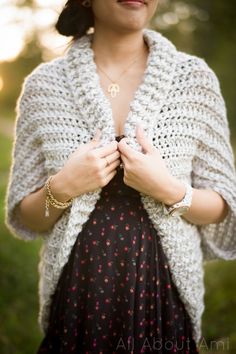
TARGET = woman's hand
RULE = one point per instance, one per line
(147, 172)
(86, 169)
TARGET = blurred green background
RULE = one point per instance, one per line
(205, 28)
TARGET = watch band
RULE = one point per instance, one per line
(185, 202)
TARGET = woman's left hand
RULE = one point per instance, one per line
(147, 172)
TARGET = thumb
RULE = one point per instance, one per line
(95, 140)
(97, 136)
(142, 139)
(92, 143)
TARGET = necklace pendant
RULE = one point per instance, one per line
(113, 89)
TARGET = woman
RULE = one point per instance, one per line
(123, 165)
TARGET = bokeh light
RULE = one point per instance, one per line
(12, 42)
(19, 23)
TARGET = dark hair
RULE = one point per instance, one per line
(75, 19)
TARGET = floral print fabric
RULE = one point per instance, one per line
(115, 294)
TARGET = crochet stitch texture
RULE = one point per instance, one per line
(180, 105)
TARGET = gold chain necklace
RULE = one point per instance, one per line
(114, 87)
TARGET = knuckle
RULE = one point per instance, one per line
(91, 154)
(97, 166)
(134, 158)
(99, 174)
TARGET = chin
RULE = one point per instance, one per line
(123, 15)
(132, 29)
(131, 25)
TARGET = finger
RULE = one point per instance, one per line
(112, 157)
(92, 143)
(96, 139)
(125, 149)
(111, 167)
(124, 159)
(97, 135)
(110, 176)
(142, 139)
(106, 150)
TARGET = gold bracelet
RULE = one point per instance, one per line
(51, 195)
(50, 199)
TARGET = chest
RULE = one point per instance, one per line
(120, 101)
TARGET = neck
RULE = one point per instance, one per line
(112, 48)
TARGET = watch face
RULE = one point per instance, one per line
(179, 211)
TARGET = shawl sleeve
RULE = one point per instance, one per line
(213, 166)
(27, 172)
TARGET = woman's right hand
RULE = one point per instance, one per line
(86, 169)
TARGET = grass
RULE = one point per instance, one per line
(220, 305)
(19, 332)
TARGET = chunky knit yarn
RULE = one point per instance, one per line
(180, 106)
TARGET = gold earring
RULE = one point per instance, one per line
(86, 3)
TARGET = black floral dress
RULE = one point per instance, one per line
(115, 294)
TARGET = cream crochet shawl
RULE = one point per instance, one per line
(180, 105)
